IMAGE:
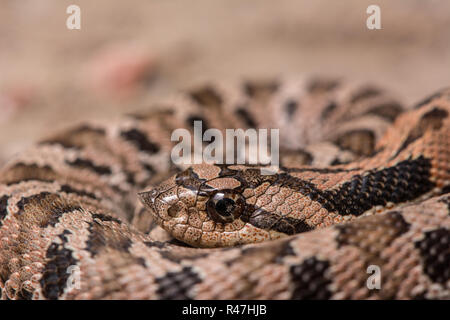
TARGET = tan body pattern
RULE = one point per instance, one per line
(363, 184)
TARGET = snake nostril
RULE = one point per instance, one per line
(174, 210)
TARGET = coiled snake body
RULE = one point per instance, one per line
(362, 184)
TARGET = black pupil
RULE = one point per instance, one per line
(225, 207)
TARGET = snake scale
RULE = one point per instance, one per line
(363, 182)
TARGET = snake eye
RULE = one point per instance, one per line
(225, 205)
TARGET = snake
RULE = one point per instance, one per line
(359, 207)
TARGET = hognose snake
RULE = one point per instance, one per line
(370, 177)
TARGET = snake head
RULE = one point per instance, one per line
(208, 206)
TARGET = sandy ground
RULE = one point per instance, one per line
(50, 75)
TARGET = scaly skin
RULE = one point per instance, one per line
(66, 203)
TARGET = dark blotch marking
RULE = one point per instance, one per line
(140, 140)
(328, 110)
(246, 117)
(254, 89)
(3, 208)
(271, 221)
(176, 285)
(179, 243)
(21, 172)
(225, 171)
(365, 94)
(206, 96)
(189, 179)
(103, 237)
(85, 129)
(337, 161)
(298, 156)
(68, 189)
(434, 249)
(178, 257)
(56, 210)
(290, 107)
(158, 112)
(104, 217)
(420, 296)
(361, 142)
(55, 273)
(149, 168)
(372, 237)
(388, 111)
(88, 164)
(74, 138)
(23, 294)
(322, 85)
(190, 122)
(446, 199)
(140, 261)
(354, 233)
(130, 177)
(306, 157)
(446, 189)
(309, 280)
(432, 120)
(46, 208)
(157, 244)
(285, 251)
(25, 200)
(428, 100)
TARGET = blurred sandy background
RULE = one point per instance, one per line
(129, 53)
